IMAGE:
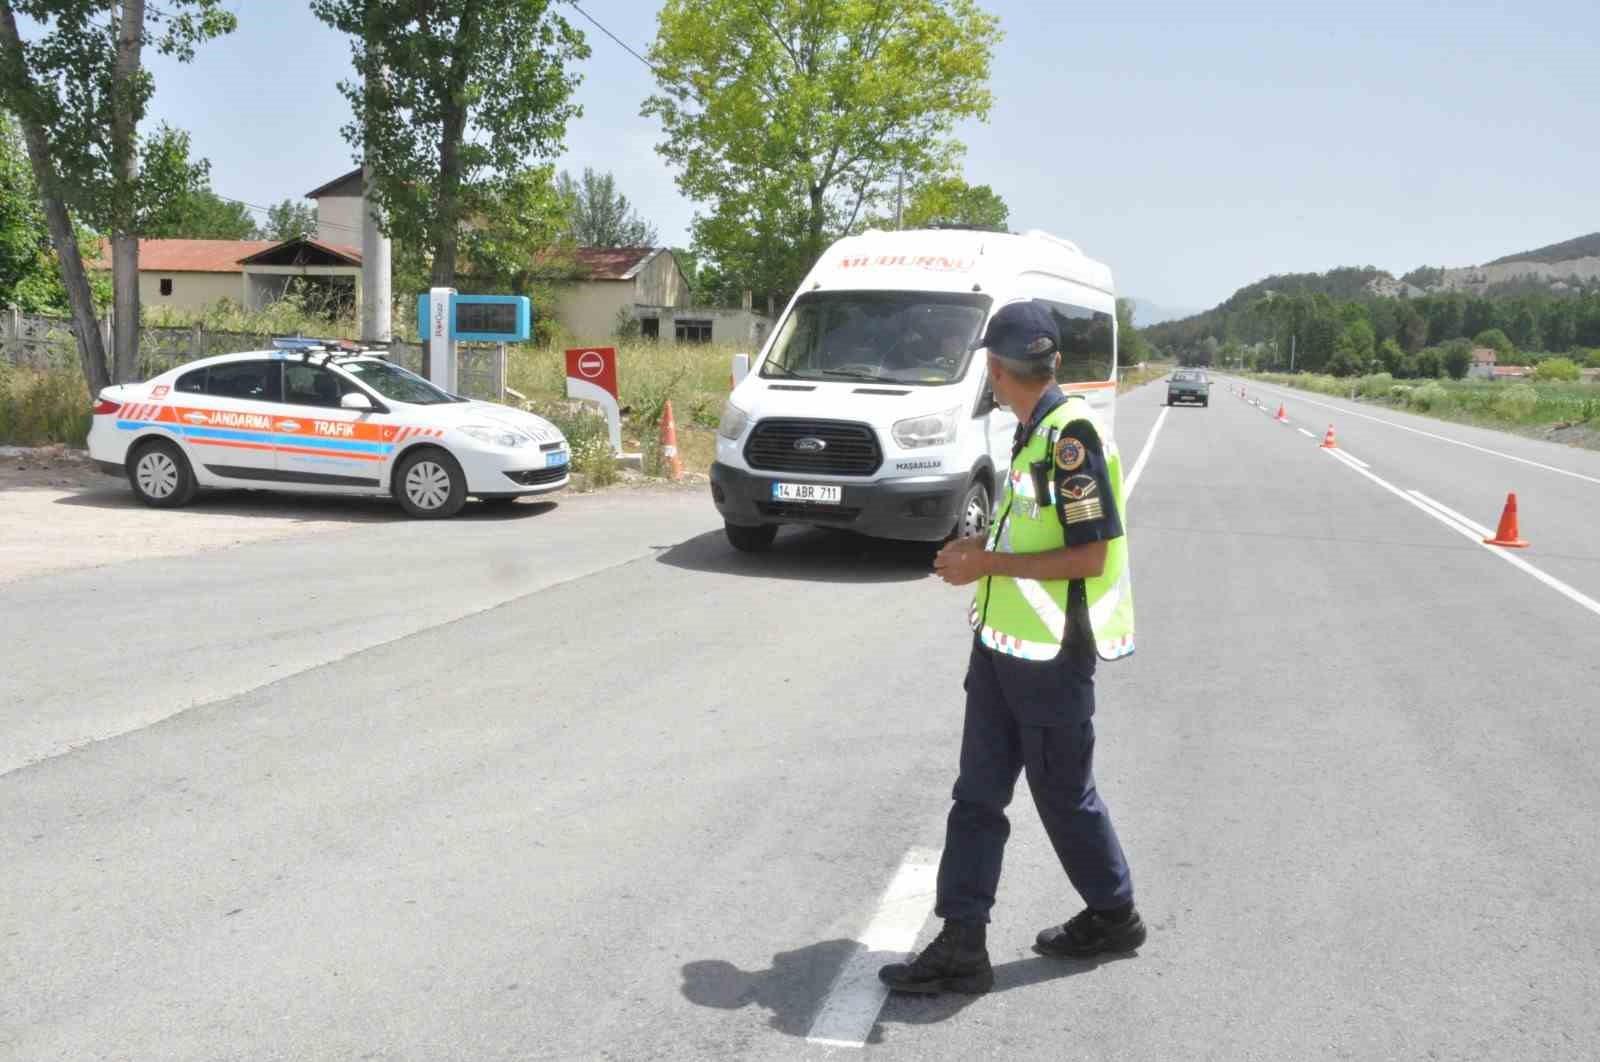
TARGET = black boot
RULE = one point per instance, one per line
(1091, 933)
(956, 961)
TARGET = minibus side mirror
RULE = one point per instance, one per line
(986, 404)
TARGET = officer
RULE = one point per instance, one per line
(1053, 594)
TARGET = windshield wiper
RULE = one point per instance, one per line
(853, 374)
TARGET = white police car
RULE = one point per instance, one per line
(320, 417)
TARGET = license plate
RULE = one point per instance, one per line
(807, 492)
(558, 458)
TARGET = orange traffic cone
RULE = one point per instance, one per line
(1282, 417)
(1507, 534)
(669, 443)
(1327, 440)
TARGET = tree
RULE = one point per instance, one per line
(789, 118)
(30, 277)
(600, 216)
(1131, 346)
(952, 201)
(80, 92)
(453, 97)
(1457, 358)
(204, 215)
(1391, 357)
(1560, 369)
(1353, 349)
(288, 219)
(1496, 341)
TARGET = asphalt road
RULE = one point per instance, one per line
(587, 784)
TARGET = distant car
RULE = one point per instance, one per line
(1188, 385)
(316, 418)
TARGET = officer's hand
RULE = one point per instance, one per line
(961, 562)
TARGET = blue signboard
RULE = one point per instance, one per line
(483, 318)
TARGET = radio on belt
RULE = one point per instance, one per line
(445, 317)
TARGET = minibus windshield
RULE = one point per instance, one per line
(918, 338)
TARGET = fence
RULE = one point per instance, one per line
(39, 342)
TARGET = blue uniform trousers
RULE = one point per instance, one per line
(1036, 717)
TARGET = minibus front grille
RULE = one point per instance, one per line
(848, 449)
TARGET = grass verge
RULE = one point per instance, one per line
(1566, 412)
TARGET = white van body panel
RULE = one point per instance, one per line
(1000, 266)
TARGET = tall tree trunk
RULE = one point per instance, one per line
(91, 349)
(447, 235)
(125, 160)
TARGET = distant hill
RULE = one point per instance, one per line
(1571, 267)
(1582, 247)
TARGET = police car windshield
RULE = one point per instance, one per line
(395, 383)
(899, 337)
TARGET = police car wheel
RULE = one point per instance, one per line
(751, 539)
(430, 485)
(973, 518)
(161, 476)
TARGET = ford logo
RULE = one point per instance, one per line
(810, 445)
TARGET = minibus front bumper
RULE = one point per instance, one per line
(912, 508)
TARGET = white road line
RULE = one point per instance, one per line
(1471, 535)
(1307, 434)
(851, 1009)
(1347, 455)
(1144, 456)
(1482, 531)
(1454, 442)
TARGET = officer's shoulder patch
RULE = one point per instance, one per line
(1080, 488)
(1070, 454)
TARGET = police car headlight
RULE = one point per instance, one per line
(734, 421)
(492, 436)
(935, 429)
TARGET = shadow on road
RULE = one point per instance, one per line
(301, 507)
(793, 987)
(809, 555)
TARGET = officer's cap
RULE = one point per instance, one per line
(1022, 331)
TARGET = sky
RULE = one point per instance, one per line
(1193, 147)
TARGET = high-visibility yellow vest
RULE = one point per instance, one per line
(1027, 618)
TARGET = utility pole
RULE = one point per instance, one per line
(1292, 338)
(899, 197)
(377, 303)
(376, 275)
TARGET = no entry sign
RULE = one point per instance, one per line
(592, 376)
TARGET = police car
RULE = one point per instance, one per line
(318, 416)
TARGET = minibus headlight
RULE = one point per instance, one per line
(734, 421)
(935, 429)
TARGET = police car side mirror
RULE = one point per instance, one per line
(356, 400)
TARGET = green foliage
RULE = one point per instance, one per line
(1390, 357)
(1593, 360)
(290, 218)
(627, 326)
(1378, 385)
(1457, 358)
(69, 85)
(1132, 349)
(451, 100)
(949, 200)
(41, 407)
(1516, 402)
(1313, 311)
(790, 118)
(201, 214)
(1429, 396)
(597, 215)
(1497, 341)
(587, 435)
(1558, 369)
(301, 311)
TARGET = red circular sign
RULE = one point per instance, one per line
(591, 364)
